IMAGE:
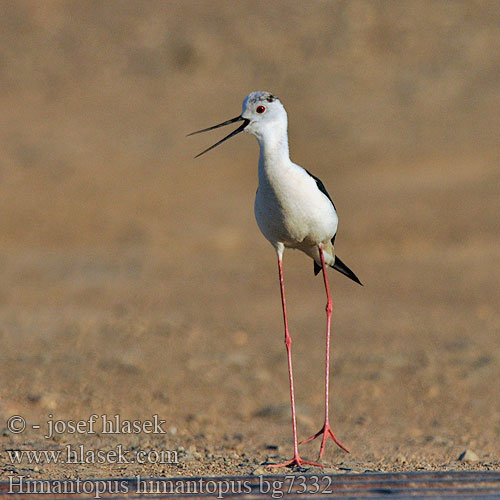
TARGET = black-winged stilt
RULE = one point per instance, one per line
(293, 210)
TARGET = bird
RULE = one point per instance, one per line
(293, 210)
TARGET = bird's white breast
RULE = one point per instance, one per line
(289, 207)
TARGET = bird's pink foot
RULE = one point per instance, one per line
(296, 461)
(327, 432)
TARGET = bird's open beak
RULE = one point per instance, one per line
(232, 134)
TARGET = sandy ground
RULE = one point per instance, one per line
(135, 280)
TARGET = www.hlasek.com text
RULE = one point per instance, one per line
(80, 455)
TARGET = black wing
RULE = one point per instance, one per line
(338, 264)
(322, 188)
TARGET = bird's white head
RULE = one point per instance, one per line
(265, 114)
(262, 115)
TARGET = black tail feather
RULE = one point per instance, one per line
(341, 268)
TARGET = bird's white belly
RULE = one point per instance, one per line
(295, 213)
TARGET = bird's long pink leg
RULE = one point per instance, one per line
(296, 460)
(326, 430)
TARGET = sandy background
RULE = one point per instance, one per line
(135, 279)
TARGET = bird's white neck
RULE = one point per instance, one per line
(273, 147)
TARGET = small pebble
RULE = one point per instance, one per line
(468, 456)
(259, 471)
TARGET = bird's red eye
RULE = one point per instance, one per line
(260, 109)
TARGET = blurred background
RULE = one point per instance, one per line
(135, 279)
